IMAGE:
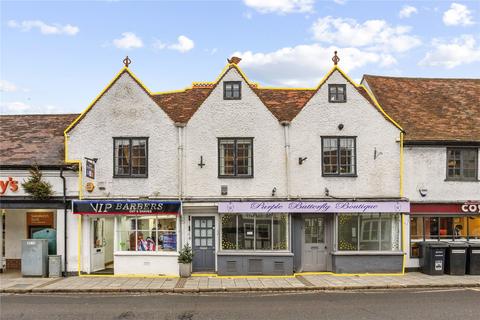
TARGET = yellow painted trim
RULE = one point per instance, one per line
(401, 163)
(79, 245)
(213, 275)
(370, 95)
(127, 276)
(404, 247)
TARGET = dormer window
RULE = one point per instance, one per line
(232, 90)
(337, 93)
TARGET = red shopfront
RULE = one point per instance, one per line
(443, 222)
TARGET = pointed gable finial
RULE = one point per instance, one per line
(234, 60)
(127, 61)
(335, 58)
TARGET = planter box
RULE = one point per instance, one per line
(185, 270)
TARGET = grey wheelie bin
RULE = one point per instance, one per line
(432, 259)
(456, 258)
(473, 258)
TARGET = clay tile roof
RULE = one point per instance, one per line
(180, 106)
(30, 139)
(284, 104)
(431, 109)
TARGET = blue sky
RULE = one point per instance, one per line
(57, 56)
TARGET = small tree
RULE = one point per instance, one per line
(185, 255)
(36, 186)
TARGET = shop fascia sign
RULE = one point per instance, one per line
(8, 184)
(125, 207)
(471, 207)
(313, 207)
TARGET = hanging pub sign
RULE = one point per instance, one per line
(314, 207)
(90, 169)
(125, 207)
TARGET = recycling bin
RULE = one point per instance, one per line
(473, 258)
(456, 258)
(432, 258)
(54, 266)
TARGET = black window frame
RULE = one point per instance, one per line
(462, 177)
(225, 83)
(130, 175)
(354, 174)
(344, 86)
(235, 174)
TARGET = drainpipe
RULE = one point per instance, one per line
(286, 127)
(180, 127)
(64, 220)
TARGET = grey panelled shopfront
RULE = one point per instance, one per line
(297, 236)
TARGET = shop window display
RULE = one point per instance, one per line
(263, 232)
(442, 228)
(147, 233)
(368, 232)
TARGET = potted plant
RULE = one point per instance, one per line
(185, 258)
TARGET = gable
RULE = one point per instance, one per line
(123, 72)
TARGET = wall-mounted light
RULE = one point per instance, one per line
(274, 191)
(301, 160)
(423, 192)
(340, 126)
(327, 192)
(376, 154)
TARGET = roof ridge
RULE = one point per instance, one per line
(39, 114)
(417, 78)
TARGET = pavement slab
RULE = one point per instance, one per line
(18, 284)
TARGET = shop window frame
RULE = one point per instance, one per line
(130, 175)
(359, 233)
(255, 237)
(137, 230)
(462, 155)
(437, 238)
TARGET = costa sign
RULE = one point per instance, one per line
(471, 207)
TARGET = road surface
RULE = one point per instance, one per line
(425, 304)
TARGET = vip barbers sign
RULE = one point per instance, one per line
(314, 207)
(125, 207)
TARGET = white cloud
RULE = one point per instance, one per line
(340, 1)
(44, 28)
(461, 50)
(6, 86)
(372, 34)
(17, 107)
(407, 11)
(159, 45)
(183, 45)
(280, 6)
(457, 15)
(129, 40)
(305, 65)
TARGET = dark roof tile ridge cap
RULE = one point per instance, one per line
(417, 78)
(39, 114)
